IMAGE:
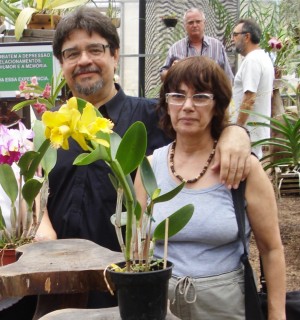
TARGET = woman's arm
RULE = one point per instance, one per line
(263, 217)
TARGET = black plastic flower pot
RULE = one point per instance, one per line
(142, 295)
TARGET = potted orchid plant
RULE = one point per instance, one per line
(19, 13)
(24, 193)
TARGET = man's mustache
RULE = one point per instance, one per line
(86, 70)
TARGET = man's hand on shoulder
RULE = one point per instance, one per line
(232, 156)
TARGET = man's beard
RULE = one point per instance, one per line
(89, 89)
(240, 49)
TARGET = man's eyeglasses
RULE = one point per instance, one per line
(237, 33)
(199, 99)
(94, 51)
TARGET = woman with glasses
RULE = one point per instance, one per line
(207, 280)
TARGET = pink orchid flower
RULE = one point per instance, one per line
(40, 107)
(13, 143)
(275, 44)
(47, 91)
(23, 85)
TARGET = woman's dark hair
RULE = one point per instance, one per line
(203, 75)
(90, 20)
(250, 26)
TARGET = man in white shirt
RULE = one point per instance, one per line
(253, 83)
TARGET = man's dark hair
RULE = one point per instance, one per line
(89, 19)
(250, 26)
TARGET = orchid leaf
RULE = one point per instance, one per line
(148, 178)
(138, 211)
(169, 195)
(22, 20)
(177, 221)
(25, 161)
(2, 221)
(64, 4)
(48, 159)
(30, 191)
(115, 141)
(23, 104)
(80, 104)
(29, 169)
(8, 182)
(132, 148)
(88, 158)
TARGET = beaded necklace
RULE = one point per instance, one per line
(201, 174)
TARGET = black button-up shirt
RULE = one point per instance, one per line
(82, 198)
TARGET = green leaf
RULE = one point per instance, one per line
(132, 148)
(29, 169)
(8, 182)
(99, 153)
(30, 190)
(23, 104)
(169, 195)
(25, 161)
(2, 221)
(148, 177)
(138, 211)
(177, 221)
(81, 103)
(64, 4)
(22, 21)
(115, 141)
(48, 161)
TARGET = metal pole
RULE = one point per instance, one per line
(142, 45)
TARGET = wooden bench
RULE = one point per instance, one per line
(90, 314)
(60, 272)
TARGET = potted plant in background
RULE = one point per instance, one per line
(113, 12)
(83, 122)
(20, 13)
(170, 20)
(284, 143)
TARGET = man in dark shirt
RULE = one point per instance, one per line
(82, 199)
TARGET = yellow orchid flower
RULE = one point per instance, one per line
(69, 122)
(59, 137)
(89, 124)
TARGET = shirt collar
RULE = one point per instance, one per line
(205, 41)
(113, 107)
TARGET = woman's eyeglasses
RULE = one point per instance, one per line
(198, 99)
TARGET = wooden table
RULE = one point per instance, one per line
(90, 314)
(60, 272)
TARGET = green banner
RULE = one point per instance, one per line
(21, 64)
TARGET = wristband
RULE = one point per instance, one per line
(238, 125)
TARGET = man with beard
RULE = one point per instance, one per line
(82, 198)
(253, 83)
(196, 43)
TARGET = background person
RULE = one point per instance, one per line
(207, 278)
(253, 83)
(82, 198)
(196, 43)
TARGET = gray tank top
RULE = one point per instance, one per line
(208, 245)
